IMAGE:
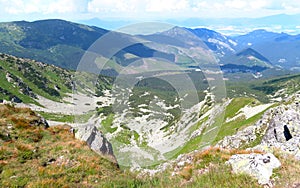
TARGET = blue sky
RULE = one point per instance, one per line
(142, 9)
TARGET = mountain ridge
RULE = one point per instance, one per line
(63, 43)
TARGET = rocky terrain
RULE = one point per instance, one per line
(278, 128)
(146, 129)
(32, 154)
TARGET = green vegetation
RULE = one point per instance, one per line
(34, 156)
(67, 118)
(230, 128)
(107, 123)
(57, 117)
(26, 79)
(264, 89)
(236, 104)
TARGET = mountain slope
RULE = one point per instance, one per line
(35, 155)
(55, 42)
(249, 52)
(280, 48)
(60, 42)
(220, 44)
(25, 79)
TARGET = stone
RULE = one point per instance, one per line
(15, 99)
(96, 141)
(244, 136)
(259, 166)
(40, 122)
(284, 130)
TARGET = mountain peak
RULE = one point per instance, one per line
(251, 52)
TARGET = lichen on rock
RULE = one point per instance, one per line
(259, 166)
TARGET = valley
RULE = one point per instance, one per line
(170, 106)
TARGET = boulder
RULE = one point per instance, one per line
(259, 166)
(96, 141)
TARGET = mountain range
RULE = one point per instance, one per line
(229, 26)
(63, 43)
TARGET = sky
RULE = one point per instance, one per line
(12, 10)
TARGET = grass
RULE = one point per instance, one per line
(236, 104)
(55, 158)
(232, 127)
(208, 169)
(12, 91)
(59, 117)
(107, 123)
(288, 174)
(40, 78)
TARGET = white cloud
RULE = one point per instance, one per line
(236, 4)
(40, 6)
(64, 6)
(98, 6)
(258, 4)
(148, 8)
(167, 5)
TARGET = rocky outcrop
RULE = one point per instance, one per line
(278, 128)
(96, 141)
(259, 166)
(244, 137)
(284, 130)
(19, 83)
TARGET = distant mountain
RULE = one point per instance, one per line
(220, 44)
(280, 48)
(62, 43)
(186, 38)
(235, 26)
(250, 53)
(246, 61)
(57, 42)
(257, 36)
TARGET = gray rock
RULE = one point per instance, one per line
(278, 128)
(242, 137)
(284, 130)
(96, 141)
(259, 166)
(15, 99)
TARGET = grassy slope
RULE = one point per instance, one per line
(40, 78)
(37, 157)
(225, 129)
(33, 156)
(259, 89)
